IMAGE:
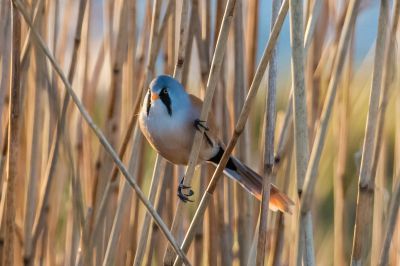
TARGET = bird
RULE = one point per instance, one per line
(169, 118)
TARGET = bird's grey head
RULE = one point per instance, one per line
(168, 91)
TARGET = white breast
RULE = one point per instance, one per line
(170, 135)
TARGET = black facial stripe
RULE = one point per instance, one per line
(148, 103)
(166, 101)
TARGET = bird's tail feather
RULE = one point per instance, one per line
(252, 182)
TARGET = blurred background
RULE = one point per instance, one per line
(63, 172)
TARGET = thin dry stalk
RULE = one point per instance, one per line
(251, 36)
(300, 125)
(100, 135)
(13, 142)
(365, 198)
(387, 80)
(158, 171)
(114, 113)
(238, 129)
(35, 149)
(113, 116)
(242, 199)
(312, 22)
(125, 198)
(278, 246)
(390, 227)
(269, 140)
(339, 178)
(3, 158)
(183, 39)
(311, 174)
(198, 139)
(5, 58)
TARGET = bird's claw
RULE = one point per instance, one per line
(184, 196)
(198, 124)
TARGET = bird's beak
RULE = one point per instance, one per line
(154, 96)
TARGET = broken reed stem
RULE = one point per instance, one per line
(300, 124)
(100, 135)
(198, 139)
(238, 129)
(13, 140)
(365, 198)
(269, 141)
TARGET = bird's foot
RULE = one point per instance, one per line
(184, 196)
(198, 124)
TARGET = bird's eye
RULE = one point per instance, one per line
(164, 91)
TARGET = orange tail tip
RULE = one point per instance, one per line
(252, 182)
(279, 201)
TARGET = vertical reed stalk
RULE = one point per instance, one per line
(365, 198)
(279, 245)
(311, 173)
(339, 178)
(13, 140)
(243, 199)
(269, 141)
(251, 36)
(123, 203)
(35, 150)
(390, 227)
(387, 79)
(5, 59)
(5, 80)
(144, 235)
(300, 124)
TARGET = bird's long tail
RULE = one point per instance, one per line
(252, 182)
